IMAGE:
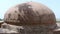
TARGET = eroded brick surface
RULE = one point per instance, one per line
(34, 18)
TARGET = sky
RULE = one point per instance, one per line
(54, 5)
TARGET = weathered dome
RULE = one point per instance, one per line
(30, 13)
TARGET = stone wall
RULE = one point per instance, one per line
(35, 29)
(1, 22)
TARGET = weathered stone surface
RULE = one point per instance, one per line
(57, 29)
(1, 22)
(34, 18)
(30, 13)
(7, 28)
(36, 29)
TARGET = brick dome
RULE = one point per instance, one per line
(30, 13)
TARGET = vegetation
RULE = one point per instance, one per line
(58, 20)
(0, 19)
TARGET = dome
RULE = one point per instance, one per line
(30, 13)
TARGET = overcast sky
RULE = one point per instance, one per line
(54, 5)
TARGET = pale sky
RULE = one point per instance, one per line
(54, 5)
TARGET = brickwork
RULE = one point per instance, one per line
(34, 18)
